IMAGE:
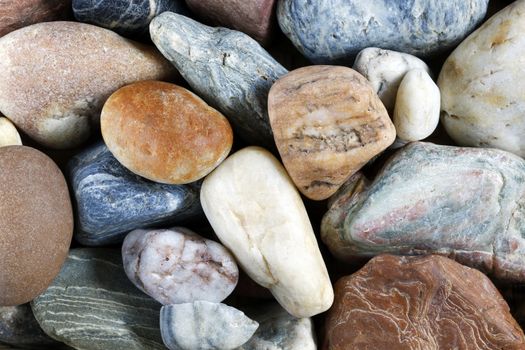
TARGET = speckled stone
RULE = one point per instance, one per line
(332, 31)
(111, 200)
(9, 136)
(466, 203)
(36, 223)
(58, 103)
(227, 68)
(92, 305)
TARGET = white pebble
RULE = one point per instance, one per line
(8, 134)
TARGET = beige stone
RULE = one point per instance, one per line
(9, 136)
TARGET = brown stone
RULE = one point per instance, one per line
(327, 123)
(36, 223)
(426, 303)
(164, 132)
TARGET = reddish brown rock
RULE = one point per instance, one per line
(36, 223)
(426, 303)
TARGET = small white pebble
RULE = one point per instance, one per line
(8, 134)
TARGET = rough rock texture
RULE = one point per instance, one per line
(164, 132)
(466, 203)
(58, 103)
(481, 84)
(258, 214)
(21, 13)
(111, 200)
(204, 326)
(327, 123)
(178, 266)
(9, 136)
(227, 68)
(419, 303)
(36, 223)
(92, 305)
(332, 31)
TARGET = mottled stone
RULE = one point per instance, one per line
(92, 305)
(58, 103)
(227, 68)
(202, 325)
(419, 303)
(36, 223)
(257, 213)
(465, 203)
(178, 266)
(164, 132)
(9, 136)
(482, 82)
(327, 123)
(332, 31)
(111, 200)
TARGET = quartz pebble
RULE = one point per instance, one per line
(9, 136)
(178, 266)
(258, 214)
(419, 303)
(327, 123)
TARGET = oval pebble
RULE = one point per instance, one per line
(9, 136)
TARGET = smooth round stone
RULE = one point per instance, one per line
(9, 136)
(331, 31)
(58, 103)
(204, 326)
(482, 82)
(164, 132)
(178, 266)
(418, 103)
(36, 223)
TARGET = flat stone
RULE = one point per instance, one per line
(9, 136)
(202, 325)
(334, 31)
(242, 71)
(177, 266)
(111, 200)
(57, 104)
(419, 303)
(92, 305)
(257, 213)
(36, 223)
(164, 132)
(327, 123)
(466, 203)
(481, 84)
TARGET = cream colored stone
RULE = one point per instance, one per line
(9, 136)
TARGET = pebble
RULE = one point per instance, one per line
(203, 325)
(58, 104)
(36, 223)
(419, 303)
(164, 132)
(9, 136)
(385, 69)
(92, 305)
(227, 68)
(466, 203)
(111, 200)
(177, 266)
(418, 103)
(334, 31)
(481, 84)
(328, 123)
(258, 214)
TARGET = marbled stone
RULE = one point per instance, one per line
(59, 102)
(164, 132)
(9, 136)
(466, 203)
(127, 17)
(36, 223)
(111, 200)
(91, 305)
(202, 325)
(327, 123)
(332, 31)
(419, 303)
(227, 68)
(258, 214)
(178, 266)
(482, 82)
(385, 69)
